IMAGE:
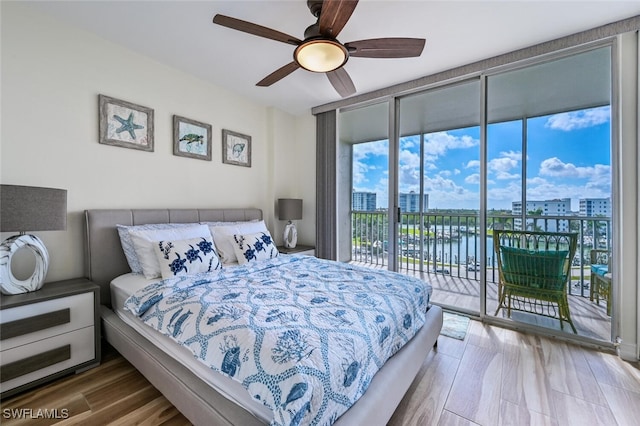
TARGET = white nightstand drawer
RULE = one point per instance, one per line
(45, 357)
(36, 321)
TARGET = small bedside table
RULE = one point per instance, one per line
(299, 249)
(48, 333)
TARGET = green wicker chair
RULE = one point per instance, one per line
(601, 277)
(534, 271)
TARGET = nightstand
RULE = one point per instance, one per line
(48, 333)
(299, 249)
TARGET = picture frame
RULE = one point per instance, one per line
(191, 138)
(125, 124)
(236, 148)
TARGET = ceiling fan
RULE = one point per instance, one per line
(320, 51)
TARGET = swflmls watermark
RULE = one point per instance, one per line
(35, 413)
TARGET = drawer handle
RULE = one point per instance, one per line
(36, 323)
(34, 363)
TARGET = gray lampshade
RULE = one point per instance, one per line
(30, 208)
(289, 209)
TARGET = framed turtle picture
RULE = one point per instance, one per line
(191, 138)
(125, 124)
(236, 148)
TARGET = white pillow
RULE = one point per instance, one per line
(186, 257)
(127, 244)
(254, 247)
(223, 236)
(144, 242)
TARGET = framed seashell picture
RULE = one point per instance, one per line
(236, 148)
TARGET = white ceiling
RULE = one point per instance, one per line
(181, 34)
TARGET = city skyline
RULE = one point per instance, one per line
(568, 156)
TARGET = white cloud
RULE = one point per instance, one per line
(409, 159)
(503, 166)
(555, 167)
(409, 170)
(440, 183)
(507, 176)
(364, 152)
(472, 179)
(409, 142)
(568, 121)
(437, 144)
(536, 181)
(430, 166)
(381, 188)
(514, 155)
(444, 192)
(502, 197)
(598, 183)
(472, 164)
(359, 172)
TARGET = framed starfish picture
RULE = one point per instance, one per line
(125, 124)
(191, 138)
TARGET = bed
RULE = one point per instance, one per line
(190, 387)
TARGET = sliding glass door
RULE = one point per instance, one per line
(549, 170)
(425, 178)
(363, 186)
(438, 191)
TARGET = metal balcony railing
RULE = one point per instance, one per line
(449, 243)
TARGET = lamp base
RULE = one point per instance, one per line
(9, 284)
(290, 235)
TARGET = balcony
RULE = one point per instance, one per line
(448, 257)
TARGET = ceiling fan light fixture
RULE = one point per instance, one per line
(321, 55)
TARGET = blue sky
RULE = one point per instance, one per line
(568, 157)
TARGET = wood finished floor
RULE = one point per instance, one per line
(492, 377)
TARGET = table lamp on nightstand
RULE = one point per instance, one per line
(290, 209)
(22, 209)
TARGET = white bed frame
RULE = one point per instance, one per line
(201, 404)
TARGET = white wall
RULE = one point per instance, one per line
(305, 150)
(51, 78)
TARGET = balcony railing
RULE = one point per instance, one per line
(449, 243)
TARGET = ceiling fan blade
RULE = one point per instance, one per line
(278, 74)
(386, 47)
(255, 29)
(334, 16)
(342, 82)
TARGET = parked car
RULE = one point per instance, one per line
(473, 268)
(441, 271)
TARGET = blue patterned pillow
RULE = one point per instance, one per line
(223, 236)
(186, 257)
(124, 232)
(254, 247)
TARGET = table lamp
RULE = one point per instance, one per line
(22, 209)
(290, 209)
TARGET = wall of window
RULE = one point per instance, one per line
(525, 110)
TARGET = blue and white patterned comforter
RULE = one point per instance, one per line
(303, 335)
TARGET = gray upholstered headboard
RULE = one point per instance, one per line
(104, 258)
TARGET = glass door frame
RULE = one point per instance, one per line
(615, 178)
(394, 151)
